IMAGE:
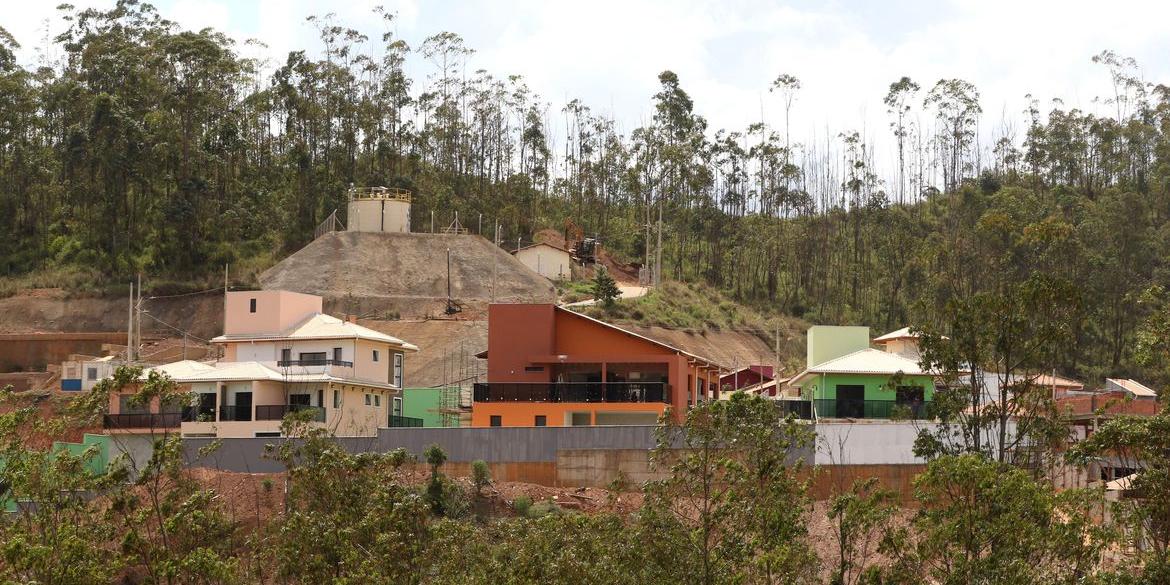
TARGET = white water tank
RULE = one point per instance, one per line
(378, 209)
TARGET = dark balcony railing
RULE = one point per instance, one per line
(235, 413)
(801, 409)
(314, 362)
(573, 392)
(891, 409)
(147, 420)
(278, 411)
(405, 421)
(199, 414)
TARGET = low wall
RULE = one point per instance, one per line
(594, 456)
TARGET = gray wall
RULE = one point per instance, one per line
(514, 445)
(858, 443)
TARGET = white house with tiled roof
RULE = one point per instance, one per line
(282, 354)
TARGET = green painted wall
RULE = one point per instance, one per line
(826, 342)
(96, 464)
(425, 403)
(825, 387)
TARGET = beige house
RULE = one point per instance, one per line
(281, 354)
(546, 260)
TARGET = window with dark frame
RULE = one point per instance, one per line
(495, 420)
(337, 354)
(533, 368)
(541, 420)
(251, 305)
(337, 399)
(375, 355)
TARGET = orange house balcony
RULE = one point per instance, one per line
(572, 392)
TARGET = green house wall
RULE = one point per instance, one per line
(96, 464)
(425, 403)
(824, 387)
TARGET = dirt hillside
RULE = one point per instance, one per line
(52, 310)
(447, 348)
(382, 274)
(733, 349)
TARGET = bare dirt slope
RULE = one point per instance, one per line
(52, 310)
(447, 348)
(732, 349)
(382, 274)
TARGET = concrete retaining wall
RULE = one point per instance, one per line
(596, 456)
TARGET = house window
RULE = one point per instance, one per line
(378, 400)
(251, 305)
(337, 354)
(375, 355)
(397, 407)
(397, 381)
(309, 358)
(286, 355)
(91, 373)
(533, 368)
(541, 420)
(367, 399)
(495, 420)
(267, 434)
(337, 399)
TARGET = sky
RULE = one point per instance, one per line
(608, 53)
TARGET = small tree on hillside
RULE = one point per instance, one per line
(605, 288)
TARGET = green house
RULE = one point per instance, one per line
(846, 378)
(96, 464)
(426, 407)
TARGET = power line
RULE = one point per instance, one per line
(202, 292)
(207, 341)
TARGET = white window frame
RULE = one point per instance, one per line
(398, 363)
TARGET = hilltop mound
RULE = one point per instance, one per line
(380, 274)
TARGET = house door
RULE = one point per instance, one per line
(243, 406)
(850, 401)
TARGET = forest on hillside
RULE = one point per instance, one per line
(147, 147)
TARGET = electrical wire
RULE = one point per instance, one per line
(201, 292)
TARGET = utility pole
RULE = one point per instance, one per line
(138, 319)
(130, 326)
(479, 228)
(432, 221)
(658, 250)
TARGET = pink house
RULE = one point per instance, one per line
(281, 354)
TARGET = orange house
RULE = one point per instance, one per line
(549, 366)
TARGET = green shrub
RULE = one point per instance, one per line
(522, 505)
(481, 476)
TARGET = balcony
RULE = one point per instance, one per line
(313, 362)
(573, 392)
(278, 411)
(235, 413)
(405, 421)
(875, 409)
(146, 420)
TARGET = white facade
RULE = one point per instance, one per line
(548, 261)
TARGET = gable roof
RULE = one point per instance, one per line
(865, 361)
(322, 326)
(903, 333)
(1134, 387)
(695, 357)
(253, 371)
(558, 248)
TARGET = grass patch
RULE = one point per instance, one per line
(680, 306)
